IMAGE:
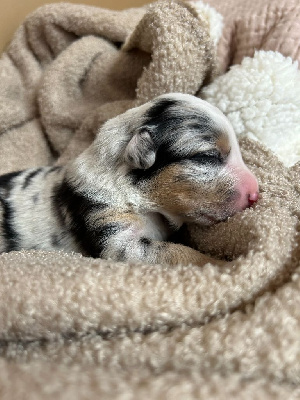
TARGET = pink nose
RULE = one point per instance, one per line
(248, 190)
(253, 197)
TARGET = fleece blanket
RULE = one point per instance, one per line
(252, 25)
(78, 328)
(261, 98)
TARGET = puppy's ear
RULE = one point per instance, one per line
(140, 151)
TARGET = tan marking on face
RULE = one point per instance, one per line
(192, 200)
(223, 144)
(181, 197)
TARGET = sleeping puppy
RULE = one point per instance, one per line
(172, 160)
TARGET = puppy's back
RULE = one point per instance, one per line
(26, 210)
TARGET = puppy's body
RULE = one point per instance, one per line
(149, 170)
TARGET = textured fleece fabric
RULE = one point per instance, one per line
(78, 328)
(260, 24)
(261, 98)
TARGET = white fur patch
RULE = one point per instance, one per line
(261, 98)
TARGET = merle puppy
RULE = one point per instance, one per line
(172, 160)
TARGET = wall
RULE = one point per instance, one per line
(13, 12)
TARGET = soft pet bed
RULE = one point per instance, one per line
(81, 328)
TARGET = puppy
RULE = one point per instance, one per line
(172, 160)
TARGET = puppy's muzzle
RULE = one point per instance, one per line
(246, 188)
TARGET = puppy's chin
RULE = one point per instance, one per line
(202, 219)
(206, 220)
(211, 218)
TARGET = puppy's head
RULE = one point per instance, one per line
(184, 155)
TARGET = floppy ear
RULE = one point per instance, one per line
(140, 151)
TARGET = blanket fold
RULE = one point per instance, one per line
(68, 63)
(82, 328)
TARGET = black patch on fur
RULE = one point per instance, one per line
(102, 234)
(212, 158)
(6, 179)
(157, 112)
(28, 179)
(168, 116)
(166, 120)
(74, 212)
(11, 236)
(146, 243)
(164, 157)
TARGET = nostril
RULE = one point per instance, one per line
(252, 198)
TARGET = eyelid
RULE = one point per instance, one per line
(207, 156)
(210, 155)
(207, 153)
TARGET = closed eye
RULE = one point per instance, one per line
(208, 157)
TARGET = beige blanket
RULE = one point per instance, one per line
(260, 24)
(79, 328)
